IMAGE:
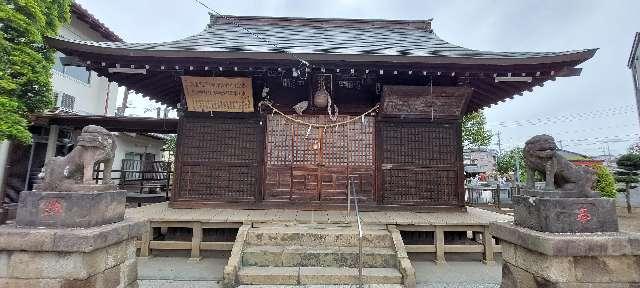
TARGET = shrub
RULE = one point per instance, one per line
(605, 183)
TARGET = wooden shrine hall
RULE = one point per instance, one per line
(289, 118)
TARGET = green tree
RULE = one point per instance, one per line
(474, 131)
(634, 148)
(506, 163)
(627, 174)
(25, 62)
(170, 144)
(605, 183)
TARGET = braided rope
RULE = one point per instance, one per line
(274, 109)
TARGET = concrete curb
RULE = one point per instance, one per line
(231, 269)
(404, 264)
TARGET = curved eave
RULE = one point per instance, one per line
(69, 46)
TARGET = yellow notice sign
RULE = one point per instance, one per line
(225, 94)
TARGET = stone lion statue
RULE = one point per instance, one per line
(95, 145)
(540, 155)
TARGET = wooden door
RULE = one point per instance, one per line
(313, 165)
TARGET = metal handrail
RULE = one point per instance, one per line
(352, 193)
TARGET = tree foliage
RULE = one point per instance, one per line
(25, 61)
(605, 183)
(634, 148)
(474, 131)
(506, 163)
(170, 144)
(627, 174)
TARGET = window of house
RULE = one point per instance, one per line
(79, 73)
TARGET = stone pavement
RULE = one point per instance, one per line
(179, 272)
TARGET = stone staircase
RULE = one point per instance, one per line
(320, 254)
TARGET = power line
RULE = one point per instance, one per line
(613, 111)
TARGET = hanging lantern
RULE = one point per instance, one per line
(321, 97)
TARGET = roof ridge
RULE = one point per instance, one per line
(634, 48)
(216, 19)
(94, 23)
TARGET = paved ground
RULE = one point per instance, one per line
(629, 222)
(179, 272)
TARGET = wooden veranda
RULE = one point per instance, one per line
(439, 227)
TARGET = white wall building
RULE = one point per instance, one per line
(82, 92)
(479, 160)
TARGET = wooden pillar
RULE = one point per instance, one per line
(196, 240)
(439, 244)
(146, 240)
(52, 141)
(487, 241)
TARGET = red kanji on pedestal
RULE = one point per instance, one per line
(51, 207)
(583, 215)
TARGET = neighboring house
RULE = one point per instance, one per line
(634, 64)
(479, 160)
(78, 92)
(579, 159)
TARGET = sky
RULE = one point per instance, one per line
(593, 114)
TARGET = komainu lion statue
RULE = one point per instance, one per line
(95, 145)
(540, 155)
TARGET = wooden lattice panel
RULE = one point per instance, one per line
(300, 167)
(348, 144)
(217, 158)
(420, 163)
(419, 144)
(432, 187)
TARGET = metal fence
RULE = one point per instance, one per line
(496, 194)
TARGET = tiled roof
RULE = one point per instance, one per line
(322, 36)
(94, 23)
(634, 49)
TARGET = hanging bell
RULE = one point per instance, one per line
(321, 97)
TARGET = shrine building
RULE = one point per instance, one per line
(285, 112)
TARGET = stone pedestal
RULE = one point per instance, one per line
(103, 256)
(70, 209)
(553, 212)
(539, 259)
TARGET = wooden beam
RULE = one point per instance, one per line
(170, 245)
(487, 241)
(439, 237)
(420, 248)
(146, 239)
(463, 248)
(196, 240)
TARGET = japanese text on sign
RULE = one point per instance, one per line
(205, 94)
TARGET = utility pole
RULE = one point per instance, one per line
(499, 144)
(516, 175)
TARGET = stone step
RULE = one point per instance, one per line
(324, 286)
(303, 256)
(310, 236)
(316, 276)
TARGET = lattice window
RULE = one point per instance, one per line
(218, 159)
(419, 163)
(419, 144)
(349, 144)
(430, 186)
